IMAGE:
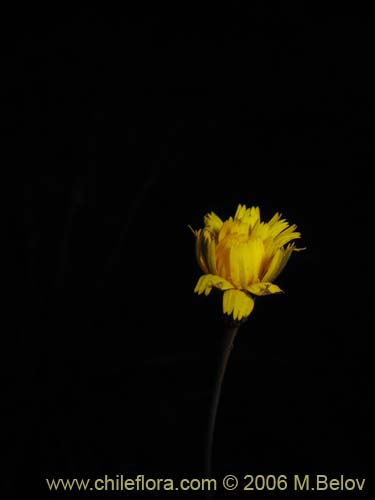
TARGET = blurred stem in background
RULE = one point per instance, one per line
(139, 198)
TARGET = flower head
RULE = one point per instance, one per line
(242, 256)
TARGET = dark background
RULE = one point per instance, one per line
(122, 127)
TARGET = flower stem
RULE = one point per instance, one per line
(226, 348)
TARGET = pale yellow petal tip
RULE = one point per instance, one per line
(208, 281)
(264, 288)
(238, 304)
(201, 286)
(240, 210)
(292, 247)
(212, 222)
(192, 230)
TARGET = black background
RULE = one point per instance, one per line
(122, 127)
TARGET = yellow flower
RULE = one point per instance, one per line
(242, 256)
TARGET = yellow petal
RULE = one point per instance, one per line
(245, 262)
(277, 227)
(199, 251)
(248, 216)
(208, 281)
(253, 260)
(240, 212)
(223, 250)
(206, 251)
(237, 303)
(274, 266)
(274, 219)
(210, 252)
(212, 222)
(225, 229)
(260, 231)
(234, 265)
(254, 216)
(264, 288)
(287, 235)
(286, 256)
